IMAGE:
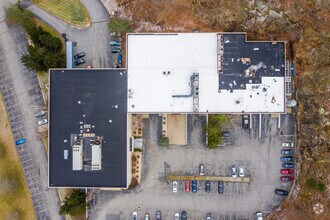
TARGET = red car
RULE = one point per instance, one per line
(187, 185)
(286, 178)
(286, 171)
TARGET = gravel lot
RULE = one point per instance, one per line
(260, 157)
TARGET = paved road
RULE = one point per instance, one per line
(22, 98)
(93, 40)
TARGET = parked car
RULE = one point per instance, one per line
(281, 192)
(241, 171)
(40, 113)
(187, 185)
(259, 216)
(287, 152)
(287, 165)
(207, 185)
(42, 122)
(116, 50)
(183, 215)
(79, 55)
(286, 171)
(134, 216)
(20, 141)
(147, 216)
(233, 172)
(287, 144)
(287, 158)
(220, 187)
(120, 58)
(158, 215)
(114, 43)
(225, 134)
(80, 61)
(176, 216)
(175, 186)
(194, 186)
(246, 121)
(201, 169)
(208, 216)
(286, 178)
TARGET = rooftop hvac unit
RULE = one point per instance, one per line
(96, 157)
(77, 157)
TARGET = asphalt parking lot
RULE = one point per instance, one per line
(260, 157)
(22, 97)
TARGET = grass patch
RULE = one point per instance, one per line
(70, 11)
(15, 202)
(43, 82)
(118, 25)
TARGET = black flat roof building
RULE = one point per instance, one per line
(88, 107)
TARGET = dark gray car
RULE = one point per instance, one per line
(80, 61)
(183, 215)
(79, 55)
(220, 187)
(287, 152)
(246, 121)
(207, 185)
(281, 192)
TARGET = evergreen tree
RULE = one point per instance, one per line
(74, 204)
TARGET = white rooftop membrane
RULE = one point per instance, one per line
(151, 91)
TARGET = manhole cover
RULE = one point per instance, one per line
(138, 207)
(167, 170)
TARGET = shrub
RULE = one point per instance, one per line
(164, 141)
(133, 184)
(322, 187)
(213, 130)
(18, 14)
(137, 150)
(74, 204)
(312, 184)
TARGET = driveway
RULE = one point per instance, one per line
(22, 98)
(260, 157)
(94, 41)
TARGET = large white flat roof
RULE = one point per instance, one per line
(161, 65)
